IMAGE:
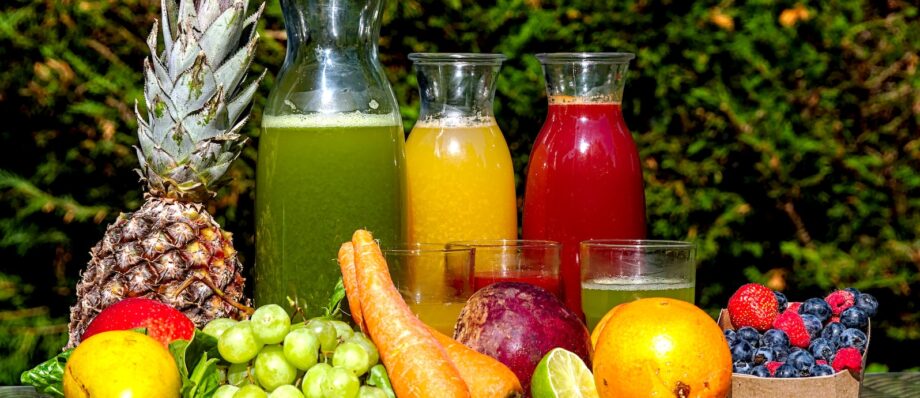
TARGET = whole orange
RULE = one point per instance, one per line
(660, 347)
(121, 363)
(596, 333)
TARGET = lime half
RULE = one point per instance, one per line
(562, 374)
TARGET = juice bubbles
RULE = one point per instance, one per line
(319, 179)
(461, 182)
(584, 179)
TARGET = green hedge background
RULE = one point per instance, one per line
(783, 137)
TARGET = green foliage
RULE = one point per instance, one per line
(783, 138)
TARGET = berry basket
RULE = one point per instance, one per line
(843, 384)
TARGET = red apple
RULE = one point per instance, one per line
(163, 323)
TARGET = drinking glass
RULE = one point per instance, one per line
(435, 301)
(618, 271)
(529, 261)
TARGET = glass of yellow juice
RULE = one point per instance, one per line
(622, 270)
(435, 301)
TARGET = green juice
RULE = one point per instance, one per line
(598, 296)
(319, 179)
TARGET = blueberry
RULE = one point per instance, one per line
(763, 355)
(854, 317)
(774, 338)
(820, 348)
(812, 324)
(787, 371)
(832, 331)
(742, 367)
(821, 370)
(853, 290)
(801, 360)
(748, 334)
(742, 351)
(780, 354)
(853, 338)
(867, 303)
(817, 307)
(760, 371)
(730, 336)
(781, 301)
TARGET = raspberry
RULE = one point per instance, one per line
(794, 326)
(849, 359)
(793, 307)
(772, 366)
(820, 362)
(753, 305)
(840, 301)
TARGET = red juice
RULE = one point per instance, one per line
(584, 182)
(536, 278)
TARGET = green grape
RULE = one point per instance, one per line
(353, 357)
(272, 370)
(250, 391)
(301, 348)
(286, 391)
(340, 383)
(325, 332)
(238, 374)
(270, 323)
(343, 330)
(217, 327)
(361, 339)
(371, 392)
(225, 391)
(313, 380)
(238, 344)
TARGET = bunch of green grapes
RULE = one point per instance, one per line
(270, 357)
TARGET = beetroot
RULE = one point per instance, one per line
(517, 323)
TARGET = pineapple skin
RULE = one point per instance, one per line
(167, 250)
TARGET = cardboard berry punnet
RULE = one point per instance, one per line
(843, 384)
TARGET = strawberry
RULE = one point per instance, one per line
(753, 305)
(849, 359)
(163, 323)
(772, 366)
(840, 301)
(794, 326)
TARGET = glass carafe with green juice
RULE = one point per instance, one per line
(331, 153)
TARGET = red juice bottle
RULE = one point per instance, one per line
(584, 180)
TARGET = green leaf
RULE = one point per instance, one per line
(334, 309)
(48, 376)
(377, 377)
(200, 354)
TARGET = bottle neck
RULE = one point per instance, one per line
(332, 25)
(585, 81)
(456, 91)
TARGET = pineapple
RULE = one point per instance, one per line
(171, 249)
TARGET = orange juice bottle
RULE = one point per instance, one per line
(459, 173)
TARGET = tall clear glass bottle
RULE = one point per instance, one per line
(331, 154)
(461, 180)
(584, 180)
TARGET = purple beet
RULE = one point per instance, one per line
(517, 323)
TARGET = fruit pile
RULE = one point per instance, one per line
(268, 353)
(817, 337)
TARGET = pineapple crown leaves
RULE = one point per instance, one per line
(195, 99)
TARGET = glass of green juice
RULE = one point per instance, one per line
(436, 301)
(621, 270)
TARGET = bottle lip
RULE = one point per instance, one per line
(457, 58)
(585, 57)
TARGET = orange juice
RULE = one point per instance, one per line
(461, 182)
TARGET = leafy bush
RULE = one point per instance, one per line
(784, 139)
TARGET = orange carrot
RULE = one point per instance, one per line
(350, 280)
(485, 376)
(417, 364)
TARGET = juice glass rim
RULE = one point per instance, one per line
(637, 244)
(423, 248)
(494, 59)
(585, 57)
(493, 243)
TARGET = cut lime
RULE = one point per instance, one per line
(562, 374)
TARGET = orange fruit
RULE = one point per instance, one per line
(660, 347)
(596, 333)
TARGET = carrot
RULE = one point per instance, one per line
(417, 364)
(485, 376)
(350, 280)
